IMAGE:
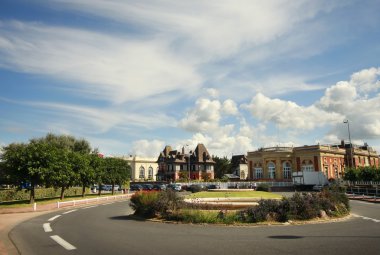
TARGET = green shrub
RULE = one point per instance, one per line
(266, 210)
(263, 187)
(152, 203)
(144, 203)
(304, 206)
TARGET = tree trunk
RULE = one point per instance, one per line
(83, 190)
(62, 192)
(113, 188)
(32, 195)
(100, 190)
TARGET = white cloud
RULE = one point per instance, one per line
(145, 148)
(205, 116)
(287, 114)
(113, 68)
(213, 93)
(229, 107)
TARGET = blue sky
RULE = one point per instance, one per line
(133, 76)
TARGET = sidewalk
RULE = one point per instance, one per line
(370, 199)
(10, 217)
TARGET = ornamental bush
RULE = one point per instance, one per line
(152, 203)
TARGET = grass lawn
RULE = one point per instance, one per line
(217, 194)
(25, 203)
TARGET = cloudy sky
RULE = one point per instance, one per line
(236, 75)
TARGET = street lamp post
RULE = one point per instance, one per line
(349, 137)
(189, 162)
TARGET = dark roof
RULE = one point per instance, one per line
(238, 159)
(199, 155)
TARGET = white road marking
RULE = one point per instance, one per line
(47, 227)
(108, 203)
(366, 218)
(63, 243)
(55, 217)
(69, 211)
(89, 207)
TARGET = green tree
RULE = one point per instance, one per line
(222, 166)
(84, 172)
(351, 174)
(61, 172)
(367, 173)
(27, 164)
(183, 176)
(117, 171)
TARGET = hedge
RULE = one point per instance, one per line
(24, 194)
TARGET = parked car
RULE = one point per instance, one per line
(136, 187)
(197, 188)
(175, 186)
(147, 187)
(213, 186)
(159, 187)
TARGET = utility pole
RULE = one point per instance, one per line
(349, 137)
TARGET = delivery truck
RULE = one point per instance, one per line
(306, 180)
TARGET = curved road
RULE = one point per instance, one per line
(107, 229)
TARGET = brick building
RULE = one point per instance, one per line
(278, 163)
(174, 165)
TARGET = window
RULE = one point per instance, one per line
(307, 166)
(271, 170)
(287, 170)
(142, 172)
(242, 175)
(150, 172)
(258, 173)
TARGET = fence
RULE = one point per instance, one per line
(241, 185)
(60, 204)
(363, 192)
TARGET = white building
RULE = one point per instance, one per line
(143, 168)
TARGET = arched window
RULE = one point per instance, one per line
(242, 175)
(287, 170)
(271, 170)
(142, 172)
(307, 166)
(150, 172)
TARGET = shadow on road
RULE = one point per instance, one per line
(128, 217)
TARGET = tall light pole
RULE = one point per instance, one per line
(189, 162)
(349, 137)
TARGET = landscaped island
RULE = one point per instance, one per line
(265, 207)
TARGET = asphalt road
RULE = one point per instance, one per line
(107, 229)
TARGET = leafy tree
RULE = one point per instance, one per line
(351, 174)
(367, 173)
(222, 166)
(61, 172)
(85, 174)
(117, 171)
(206, 176)
(183, 176)
(27, 164)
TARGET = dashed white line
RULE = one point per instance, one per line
(89, 207)
(47, 227)
(63, 243)
(108, 203)
(55, 217)
(69, 211)
(366, 218)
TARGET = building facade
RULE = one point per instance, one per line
(278, 163)
(143, 169)
(195, 165)
(239, 165)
